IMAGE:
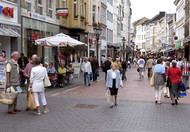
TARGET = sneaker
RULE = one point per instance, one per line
(38, 113)
(46, 111)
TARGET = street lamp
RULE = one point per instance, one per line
(123, 40)
(97, 31)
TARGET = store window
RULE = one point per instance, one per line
(64, 4)
(75, 8)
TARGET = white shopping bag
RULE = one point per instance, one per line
(107, 96)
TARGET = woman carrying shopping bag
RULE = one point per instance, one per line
(38, 75)
(113, 82)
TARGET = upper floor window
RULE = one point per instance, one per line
(50, 4)
(75, 7)
(64, 4)
(94, 14)
(81, 8)
(28, 6)
(40, 2)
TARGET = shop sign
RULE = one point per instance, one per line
(36, 35)
(63, 12)
(76, 67)
(7, 11)
(62, 44)
(9, 26)
(2, 75)
(178, 45)
(42, 18)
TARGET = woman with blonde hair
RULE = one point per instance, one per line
(113, 83)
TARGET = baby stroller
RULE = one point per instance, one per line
(53, 79)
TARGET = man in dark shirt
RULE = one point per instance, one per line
(23, 61)
(124, 68)
(95, 68)
(107, 66)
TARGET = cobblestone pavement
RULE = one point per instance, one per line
(84, 109)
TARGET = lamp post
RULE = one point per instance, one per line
(97, 31)
(123, 40)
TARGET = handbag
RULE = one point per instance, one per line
(6, 97)
(138, 69)
(169, 83)
(31, 102)
(107, 95)
(152, 80)
(47, 82)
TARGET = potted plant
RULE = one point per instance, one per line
(82, 17)
(76, 16)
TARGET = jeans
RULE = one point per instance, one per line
(124, 74)
(94, 74)
(141, 72)
(42, 97)
(86, 75)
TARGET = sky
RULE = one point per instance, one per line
(150, 8)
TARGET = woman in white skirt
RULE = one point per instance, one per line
(38, 74)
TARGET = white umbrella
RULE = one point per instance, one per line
(59, 40)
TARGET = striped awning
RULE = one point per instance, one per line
(8, 32)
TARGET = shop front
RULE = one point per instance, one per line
(32, 30)
(10, 27)
(179, 52)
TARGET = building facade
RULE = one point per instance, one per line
(39, 21)
(75, 24)
(10, 26)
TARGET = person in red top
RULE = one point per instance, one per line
(175, 75)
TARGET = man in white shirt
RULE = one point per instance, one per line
(141, 64)
(87, 69)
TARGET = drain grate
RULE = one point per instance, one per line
(85, 106)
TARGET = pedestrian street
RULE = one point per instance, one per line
(84, 109)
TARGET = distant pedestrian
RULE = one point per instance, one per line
(135, 61)
(124, 69)
(185, 67)
(107, 66)
(95, 68)
(179, 63)
(175, 75)
(27, 73)
(141, 64)
(113, 82)
(38, 74)
(159, 80)
(129, 63)
(87, 69)
(23, 61)
(12, 69)
(167, 86)
(149, 65)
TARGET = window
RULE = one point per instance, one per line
(75, 7)
(81, 7)
(40, 2)
(50, 13)
(40, 10)
(93, 14)
(64, 4)
(28, 6)
(84, 9)
(50, 4)
(40, 7)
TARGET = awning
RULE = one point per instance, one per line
(8, 32)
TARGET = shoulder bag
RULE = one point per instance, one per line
(152, 80)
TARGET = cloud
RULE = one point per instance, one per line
(150, 8)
